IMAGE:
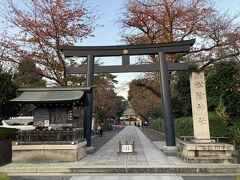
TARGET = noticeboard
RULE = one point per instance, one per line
(127, 148)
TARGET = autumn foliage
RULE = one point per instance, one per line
(39, 27)
(157, 21)
(217, 37)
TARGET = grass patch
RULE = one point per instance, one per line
(4, 176)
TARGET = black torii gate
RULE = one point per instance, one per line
(125, 51)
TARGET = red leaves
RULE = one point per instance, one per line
(45, 24)
(157, 21)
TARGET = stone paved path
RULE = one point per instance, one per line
(98, 142)
(146, 153)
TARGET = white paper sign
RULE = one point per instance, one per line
(127, 148)
(46, 123)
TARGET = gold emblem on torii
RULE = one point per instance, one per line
(125, 51)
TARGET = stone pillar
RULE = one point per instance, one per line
(202, 149)
(199, 108)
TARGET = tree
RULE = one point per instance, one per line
(222, 84)
(7, 92)
(142, 100)
(28, 75)
(42, 26)
(158, 21)
(107, 104)
(181, 95)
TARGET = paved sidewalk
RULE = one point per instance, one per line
(146, 153)
(98, 142)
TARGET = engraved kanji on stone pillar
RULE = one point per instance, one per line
(199, 107)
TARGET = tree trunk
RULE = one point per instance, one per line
(1, 112)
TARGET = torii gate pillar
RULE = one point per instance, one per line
(88, 109)
(166, 100)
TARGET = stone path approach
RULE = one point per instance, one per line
(146, 153)
(148, 163)
(98, 141)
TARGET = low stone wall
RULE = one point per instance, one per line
(206, 152)
(5, 152)
(48, 153)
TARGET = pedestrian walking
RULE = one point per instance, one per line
(100, 131)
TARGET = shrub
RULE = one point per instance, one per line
(107, 127)
(183, 126)
(7, 133)
(217, 125)
(234, 134)
(157, 124)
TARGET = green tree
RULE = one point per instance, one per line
(180, 91)
(222, 84)
(28, 75)
(7, 92)
(221, 109)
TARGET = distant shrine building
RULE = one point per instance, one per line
(129, 117)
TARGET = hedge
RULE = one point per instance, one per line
(184, 126)
(7, 133)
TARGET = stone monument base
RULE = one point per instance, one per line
(203, 141)
(48, 152)
(206, 152)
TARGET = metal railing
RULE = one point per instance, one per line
(68, 136)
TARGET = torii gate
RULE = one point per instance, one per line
(125, 51)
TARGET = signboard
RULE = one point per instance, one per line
(46, 123)
(127, 148)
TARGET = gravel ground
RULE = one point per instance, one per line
(153, 135)
(98, 141)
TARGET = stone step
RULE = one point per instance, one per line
(207, 160)
(225, 169)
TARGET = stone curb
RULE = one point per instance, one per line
(95, 169)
